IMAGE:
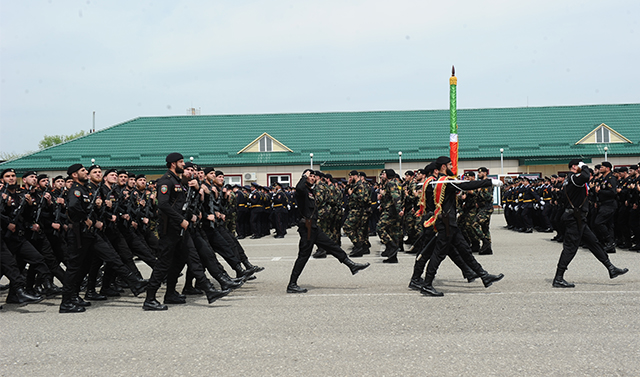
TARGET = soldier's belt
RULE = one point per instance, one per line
(242, 205)
(277, 205)
(257, 206)
(546, 198)
(528, 201)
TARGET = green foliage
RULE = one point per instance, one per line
(8, 156)
(51, 140)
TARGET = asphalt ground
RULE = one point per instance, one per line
(369, 324)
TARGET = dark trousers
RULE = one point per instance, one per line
(603, 223)
(573, 235)
(220, 245)
(9, 267)
(24, 253)
(280, 218)
(82, 247)
(444, 241)
(175, 252)
(256, 221)
(307, 240)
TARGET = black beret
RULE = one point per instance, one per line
(470, 174)
(623, 169)
(634, 167)
(209, 170)
(319, 173)
(607, 164)
(120, 172)
(409, 173)
(390, 173)
(353, 172)
(92, 167)
(483, 169)
(74, 168)
(58, 177)
(328, 176)
(362, 174)
(442, 160)
(174, 157)
(554, 176)
(573, 162)
(562, 175)
(430, 168)
(277, 184)
(28, 173)
(219, 173)
(313, 172)
(140, 176)
(189, 164)
(422, 171)
(247, 187)
(131, 175)
(41, 177)
(112, 170)
(8, 170)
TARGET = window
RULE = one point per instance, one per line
(266, 144)
(233, 180)
(602, 135)
(283, 179)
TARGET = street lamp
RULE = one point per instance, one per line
(311, 158)
(606, 149)
(400, 162)
(501, 160)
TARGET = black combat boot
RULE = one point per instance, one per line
(355, 267)
(175, 298)
(242, 273)
(150, 303)
(294, 288)
(357, 250)
(559, 282)
(67, 305)
(428, 289)
(320, 253)
(486, 247)
(136, 284)
(614, 271)
(488, 279)
(212, 293)
(227, 283)
(92, 295)
(391, 249)
(18, 295)
(252, 268)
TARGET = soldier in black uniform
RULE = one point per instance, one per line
(279, 200)
(311, 235)
(83, 243)
(448, 233)
(175, 246)
(605, 189)
(576, 228)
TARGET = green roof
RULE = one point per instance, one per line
(347, 138)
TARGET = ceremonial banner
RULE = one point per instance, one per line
(453, 126)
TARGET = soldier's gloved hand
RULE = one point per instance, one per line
(496, 182)
(542, 202)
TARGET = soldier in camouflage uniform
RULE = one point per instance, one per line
(323, 203)
(368, 212)
(336, 209)
(230, 209)
(481, 222)
(410, 201)
(467, 210)
(357, 199)
(389, 225)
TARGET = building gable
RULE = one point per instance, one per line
(603, 134)
(265, 143)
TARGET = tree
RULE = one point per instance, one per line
(51, 140)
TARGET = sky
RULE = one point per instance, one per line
(61, 61)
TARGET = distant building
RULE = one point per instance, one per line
(264, 148)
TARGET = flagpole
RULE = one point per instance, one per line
(453, 125)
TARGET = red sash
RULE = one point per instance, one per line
(438, 198)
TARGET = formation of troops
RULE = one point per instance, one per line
(87, 229)
(613, 201)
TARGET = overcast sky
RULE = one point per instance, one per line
(62, 60)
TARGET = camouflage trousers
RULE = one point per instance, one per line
(230, 222)
(325, 220)
(480, 225)
(409, 221)
(389, 228)
(335, 226)
(353, 225)
(465, 224)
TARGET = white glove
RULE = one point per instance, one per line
(496, 182)
(581, 164)
(542, 202)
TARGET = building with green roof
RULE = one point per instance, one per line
(268, 147)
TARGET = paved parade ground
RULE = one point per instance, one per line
(369, 324)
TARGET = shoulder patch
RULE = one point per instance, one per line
(164, 189)
(77, 193)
